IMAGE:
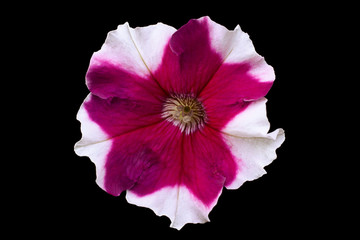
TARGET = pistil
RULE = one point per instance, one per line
(185, 111)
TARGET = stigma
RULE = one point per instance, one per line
(185, 111)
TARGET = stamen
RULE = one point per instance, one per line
(185, 111)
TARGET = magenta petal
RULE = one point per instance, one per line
(235, 82)
(105, 80)
(229, 92)
(189, 61)
(159, 155)
(137, 155)
(118, 116)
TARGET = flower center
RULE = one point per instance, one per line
(185, 111)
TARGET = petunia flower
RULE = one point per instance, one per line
(173, 116)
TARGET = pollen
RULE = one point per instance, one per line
(185, 111)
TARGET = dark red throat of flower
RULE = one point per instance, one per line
(185, 111)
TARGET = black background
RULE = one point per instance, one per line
(63, 197)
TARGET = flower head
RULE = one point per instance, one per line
(175, 115)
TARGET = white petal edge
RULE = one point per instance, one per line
(253, 154)
(236, 47)
(252, 122)
(94, 143)
(177, 203)
(138, 50)
(250, 143)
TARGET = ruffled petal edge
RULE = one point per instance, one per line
(94, 142)
(177, 203)
(250, 143)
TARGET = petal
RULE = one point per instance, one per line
(155, 157)
(188, 61)
(143, 159)
(118, 116)
(165, 156)
(250, 143)
(177, 203)
(253, 154)
(151, 41)
(104, 119)
(107, 80)
(137, 50)
(235, 47)
(198, 49)
(127, 57)
(94, 142)
(233, 83)
(243, 76)
(252, 122)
